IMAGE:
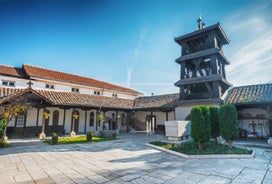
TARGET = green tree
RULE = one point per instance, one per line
(215, 127)
(228, 123)
(12, 110)
(200, 125)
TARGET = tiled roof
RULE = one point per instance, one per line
(216, 27)
(156, 102)
(69, 98)
(11, 71)
(252, 94)
(33, 71)
(7, 92)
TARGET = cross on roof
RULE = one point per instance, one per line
(29, 83)
(200, 23)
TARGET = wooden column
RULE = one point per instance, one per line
(182, 70)
(116, 119)
(85, 125)
(96, 120)
(166, 116)
(38, 115)
(64, 117)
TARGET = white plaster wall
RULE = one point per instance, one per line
(85, 91)
(182, 112)
(139, 120)
(40, 84)
(160, 117)
(19, 83)
(261, 126)
(171, 115)
(107, 93)
(31, 117)
(126, 96)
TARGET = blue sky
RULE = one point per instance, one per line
(131, 43)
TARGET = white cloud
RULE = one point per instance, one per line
(251, 45)
(131, 62)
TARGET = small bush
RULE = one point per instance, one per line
(55, 138)
(114, 135)
(89, 136)
(1, 133)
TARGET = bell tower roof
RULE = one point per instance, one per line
(216, 28)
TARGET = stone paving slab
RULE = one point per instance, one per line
(126, 160)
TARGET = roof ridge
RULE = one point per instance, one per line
(59, 71)
(83, 77)
(251, 85)
(10, 66)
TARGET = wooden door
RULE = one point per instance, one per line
(20, 123)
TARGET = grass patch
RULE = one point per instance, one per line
(79, 139)
(4, 145)
(192, 148)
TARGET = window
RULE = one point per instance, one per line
(91, 119)
(49, 86)
(8, 83)
(76, 90)
(20, 120)
(114, 95)
(97, 92)
(55, 118)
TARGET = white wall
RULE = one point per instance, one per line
(19, 83)
(139, 118)
(261, 126)
(182, 112)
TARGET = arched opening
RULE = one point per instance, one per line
(55, 118)
(91, 119)
(46, 119)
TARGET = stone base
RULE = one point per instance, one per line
(269, 141)
(72, 134)
(42, 135)
(6, 139)
(171, 138)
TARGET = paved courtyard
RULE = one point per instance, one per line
(126, 160)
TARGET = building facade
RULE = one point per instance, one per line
(63, 95)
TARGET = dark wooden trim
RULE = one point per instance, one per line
(166, 116)
(64, 117)
(85, 125)
(38, 115)
(116, 120)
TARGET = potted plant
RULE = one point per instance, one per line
(46, 115)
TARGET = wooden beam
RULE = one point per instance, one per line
(85, 125)
(38, 114)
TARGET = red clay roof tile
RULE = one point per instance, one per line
(68, 98)
(33, 71)
(11, 71)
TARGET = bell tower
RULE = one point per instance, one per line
(202, 63)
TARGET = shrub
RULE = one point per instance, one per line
(1, 133)
(55, 138)
(89, 136)
(200, 125)
(228, 123)
(114, 135)
(214, 118)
